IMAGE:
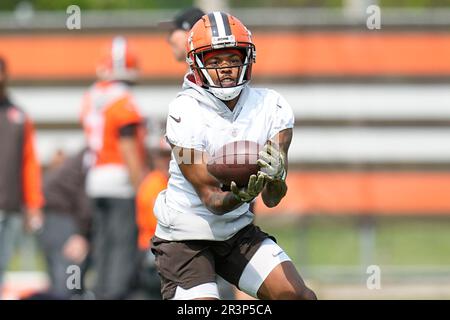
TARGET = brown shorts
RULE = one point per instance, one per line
(194, 262)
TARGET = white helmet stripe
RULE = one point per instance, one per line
(220, 24)
(118, 53)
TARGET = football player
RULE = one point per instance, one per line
(115, 133)
(179, 29)
(204, 230)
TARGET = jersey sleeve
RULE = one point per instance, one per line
(282, 115)
(32, 184)
(184, 126)
(126, 113)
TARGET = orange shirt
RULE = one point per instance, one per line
(153, 184)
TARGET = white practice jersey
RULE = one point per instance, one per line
(198, 120)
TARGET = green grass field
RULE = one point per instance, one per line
(337, 241)
(412, 253)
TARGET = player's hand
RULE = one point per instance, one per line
(76, 248)
(271, 162)
(255, 186)
(34, 220)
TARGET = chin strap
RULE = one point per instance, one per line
(226, 93)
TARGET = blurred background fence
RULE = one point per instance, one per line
(370, 161)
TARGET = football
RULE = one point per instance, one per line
(235, 161)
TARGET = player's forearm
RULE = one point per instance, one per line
(273, 192)
(133, 161)
(136, 172)
(220, 202)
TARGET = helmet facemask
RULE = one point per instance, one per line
(203, 78)
(196, 59)
(219, 31)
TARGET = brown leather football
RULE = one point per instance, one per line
(235, 161)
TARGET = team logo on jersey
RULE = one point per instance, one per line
(176, 119)
(15, 116)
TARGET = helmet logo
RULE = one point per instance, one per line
(223, 42)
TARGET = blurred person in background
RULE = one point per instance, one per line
(115, 133)
(179, 29)
(20, 175)
(153, 184)
(66, 230)
(59, 156)
(156, 179)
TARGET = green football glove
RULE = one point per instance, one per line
(247, 194)
(272, 161)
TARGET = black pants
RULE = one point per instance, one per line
(114, 247)
(58, 228)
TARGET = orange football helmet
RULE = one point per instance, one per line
(220, 31)
(119, 63)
